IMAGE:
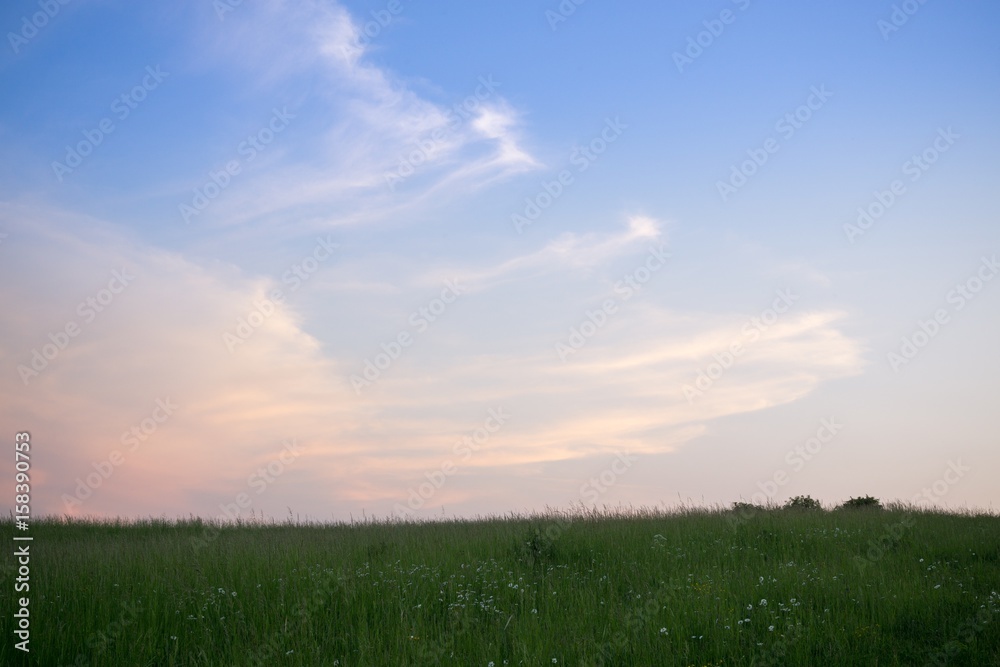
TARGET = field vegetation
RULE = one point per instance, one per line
(797, 585)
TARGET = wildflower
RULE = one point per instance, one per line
(770, 628)
(763, 603)
(663, 631)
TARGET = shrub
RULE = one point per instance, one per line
(862, 502)
(802, 503)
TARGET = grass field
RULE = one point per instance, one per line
(621, 587)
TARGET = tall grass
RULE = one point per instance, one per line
(627, 586)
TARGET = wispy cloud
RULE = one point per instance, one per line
(568, 251)
(361, 122)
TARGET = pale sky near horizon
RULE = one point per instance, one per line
(442, 259)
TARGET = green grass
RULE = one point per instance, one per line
(622, 587)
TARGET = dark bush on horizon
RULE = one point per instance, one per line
(862, 503)
(802, 503)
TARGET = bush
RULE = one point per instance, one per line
(747, 507)
(802, 503)
(862, 503)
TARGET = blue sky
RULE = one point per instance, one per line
(374, 165)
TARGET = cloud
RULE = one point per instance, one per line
(622, 393)
(365, 145)
(569, 250)
(162, 338)
(158, 339)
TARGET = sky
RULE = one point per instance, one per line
(420, 260)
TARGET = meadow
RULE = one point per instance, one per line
(625, 586)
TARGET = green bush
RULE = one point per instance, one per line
(862, 502)
(802, 503)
